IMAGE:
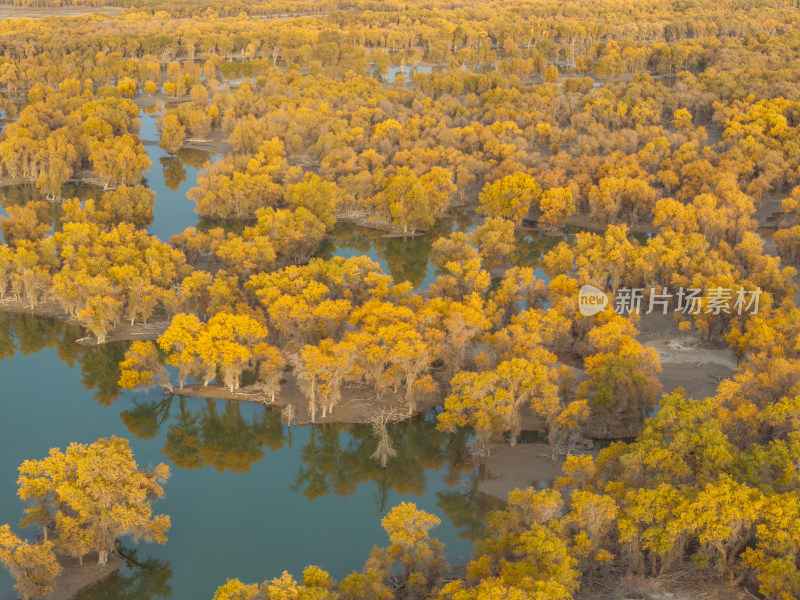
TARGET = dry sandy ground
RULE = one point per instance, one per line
(75, 577)
(686, 363)
(686, 360)
(769, 216)
(43, 309)
(357, 404)
(688, 584)
(522, 466)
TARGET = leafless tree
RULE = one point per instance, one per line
(380, 417)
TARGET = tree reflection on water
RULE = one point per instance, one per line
(142, 579)
(29, 334)
(335, 459)
(174, 165)
(200, 434)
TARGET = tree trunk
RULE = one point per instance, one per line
(409, 396)
(727, 572)
(515, 426)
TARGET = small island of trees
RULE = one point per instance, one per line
(83, 500)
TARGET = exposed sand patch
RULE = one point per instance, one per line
(357, 403)
(522, 466)
(688, 364)
(75, 577)
(680, 584)
(684, 351)
(686, 361)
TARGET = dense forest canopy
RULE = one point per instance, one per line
(665, 132)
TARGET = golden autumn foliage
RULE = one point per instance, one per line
(510, 197)
(672, 127)
(85, 499)
(34, 566)
(226, 343)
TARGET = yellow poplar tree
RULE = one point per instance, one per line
(510, 197)
(179, 342)
(34, 566)
(557, 205)
(98, 494)
(227, 341)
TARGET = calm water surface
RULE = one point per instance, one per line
(248, 498)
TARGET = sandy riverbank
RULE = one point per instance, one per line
(686, 361)
(522, 466)
(76, 577)
(85, 177)
(50, 309)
